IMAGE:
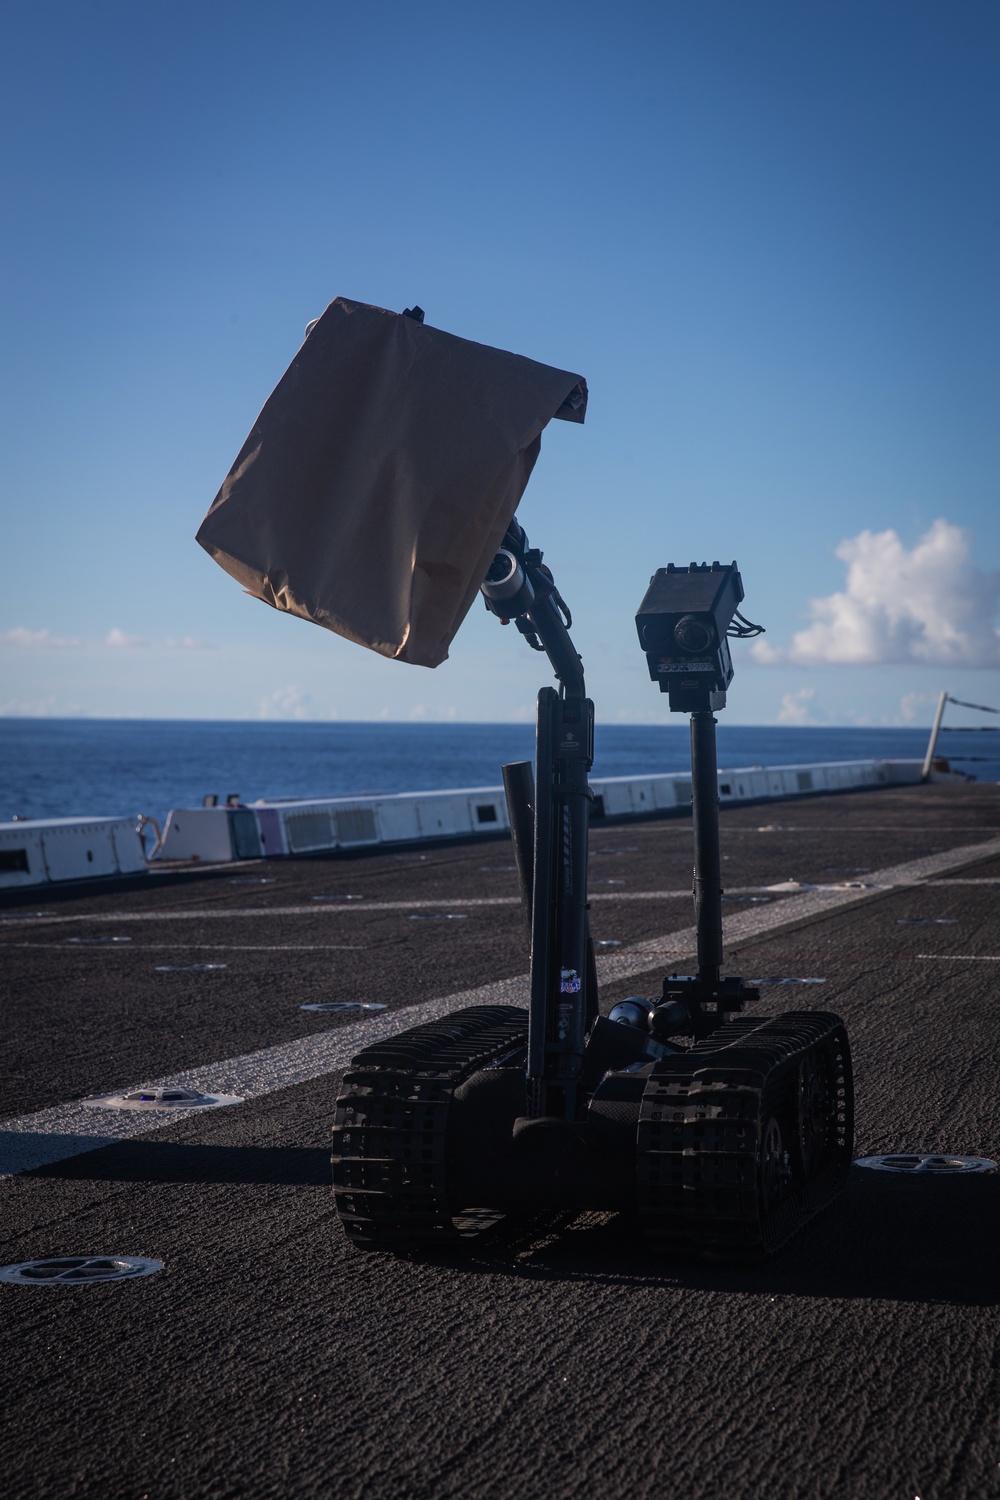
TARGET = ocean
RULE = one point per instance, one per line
(53, 768)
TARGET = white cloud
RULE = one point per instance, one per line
(34, 640)
(23, 639)
(795, 707)
(913, 706)
(29, 708)
(285, 703)
(121, 641)
(437, 713)
(927, 606)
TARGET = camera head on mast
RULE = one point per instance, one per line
(683, 623)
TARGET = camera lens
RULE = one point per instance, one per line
(504, 579)
(694, 635)
(502, 569)
(654, 635)
(505, 583)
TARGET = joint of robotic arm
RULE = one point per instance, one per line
(506, 588)
(509, 587)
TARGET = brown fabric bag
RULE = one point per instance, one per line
(378, 480)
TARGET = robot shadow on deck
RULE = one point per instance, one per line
(173, 1162)
(891, 1240)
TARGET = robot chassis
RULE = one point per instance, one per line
(724, 1134)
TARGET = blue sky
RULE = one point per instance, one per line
(767, 233)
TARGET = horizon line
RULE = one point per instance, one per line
(429, 723)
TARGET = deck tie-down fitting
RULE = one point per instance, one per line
(168, 1097)
(931, 1165)
(79, 1270)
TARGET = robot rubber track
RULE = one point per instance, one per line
(390, 1162)
(732, 1146)
(746, 1137)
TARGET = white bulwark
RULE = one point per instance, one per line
(279, 829)
(50, 849)
(38, 852)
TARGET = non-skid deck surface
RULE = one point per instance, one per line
(270, 1359)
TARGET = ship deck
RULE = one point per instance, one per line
(552, 1357)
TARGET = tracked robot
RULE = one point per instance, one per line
(723, 1133)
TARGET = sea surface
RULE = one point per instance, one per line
(53, 768)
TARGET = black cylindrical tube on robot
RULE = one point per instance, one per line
(519, 789)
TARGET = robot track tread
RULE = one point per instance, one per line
(745, 1137)
(390, 1127)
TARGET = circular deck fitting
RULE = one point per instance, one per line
(185, 968)
(926, 921)
(941, 1166)
(784, 980)
(792, 886)
(161, 1098)
(330, 1005)
(437, 916)
(79, 1270)
(98, 939)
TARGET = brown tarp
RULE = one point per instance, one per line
(379, 478)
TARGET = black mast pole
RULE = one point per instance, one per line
(707, 858)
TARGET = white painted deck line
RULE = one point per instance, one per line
(66, 1130)
(217, 947)
(740, 926)
(963, 958)
(874, 881)
(353, 908)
